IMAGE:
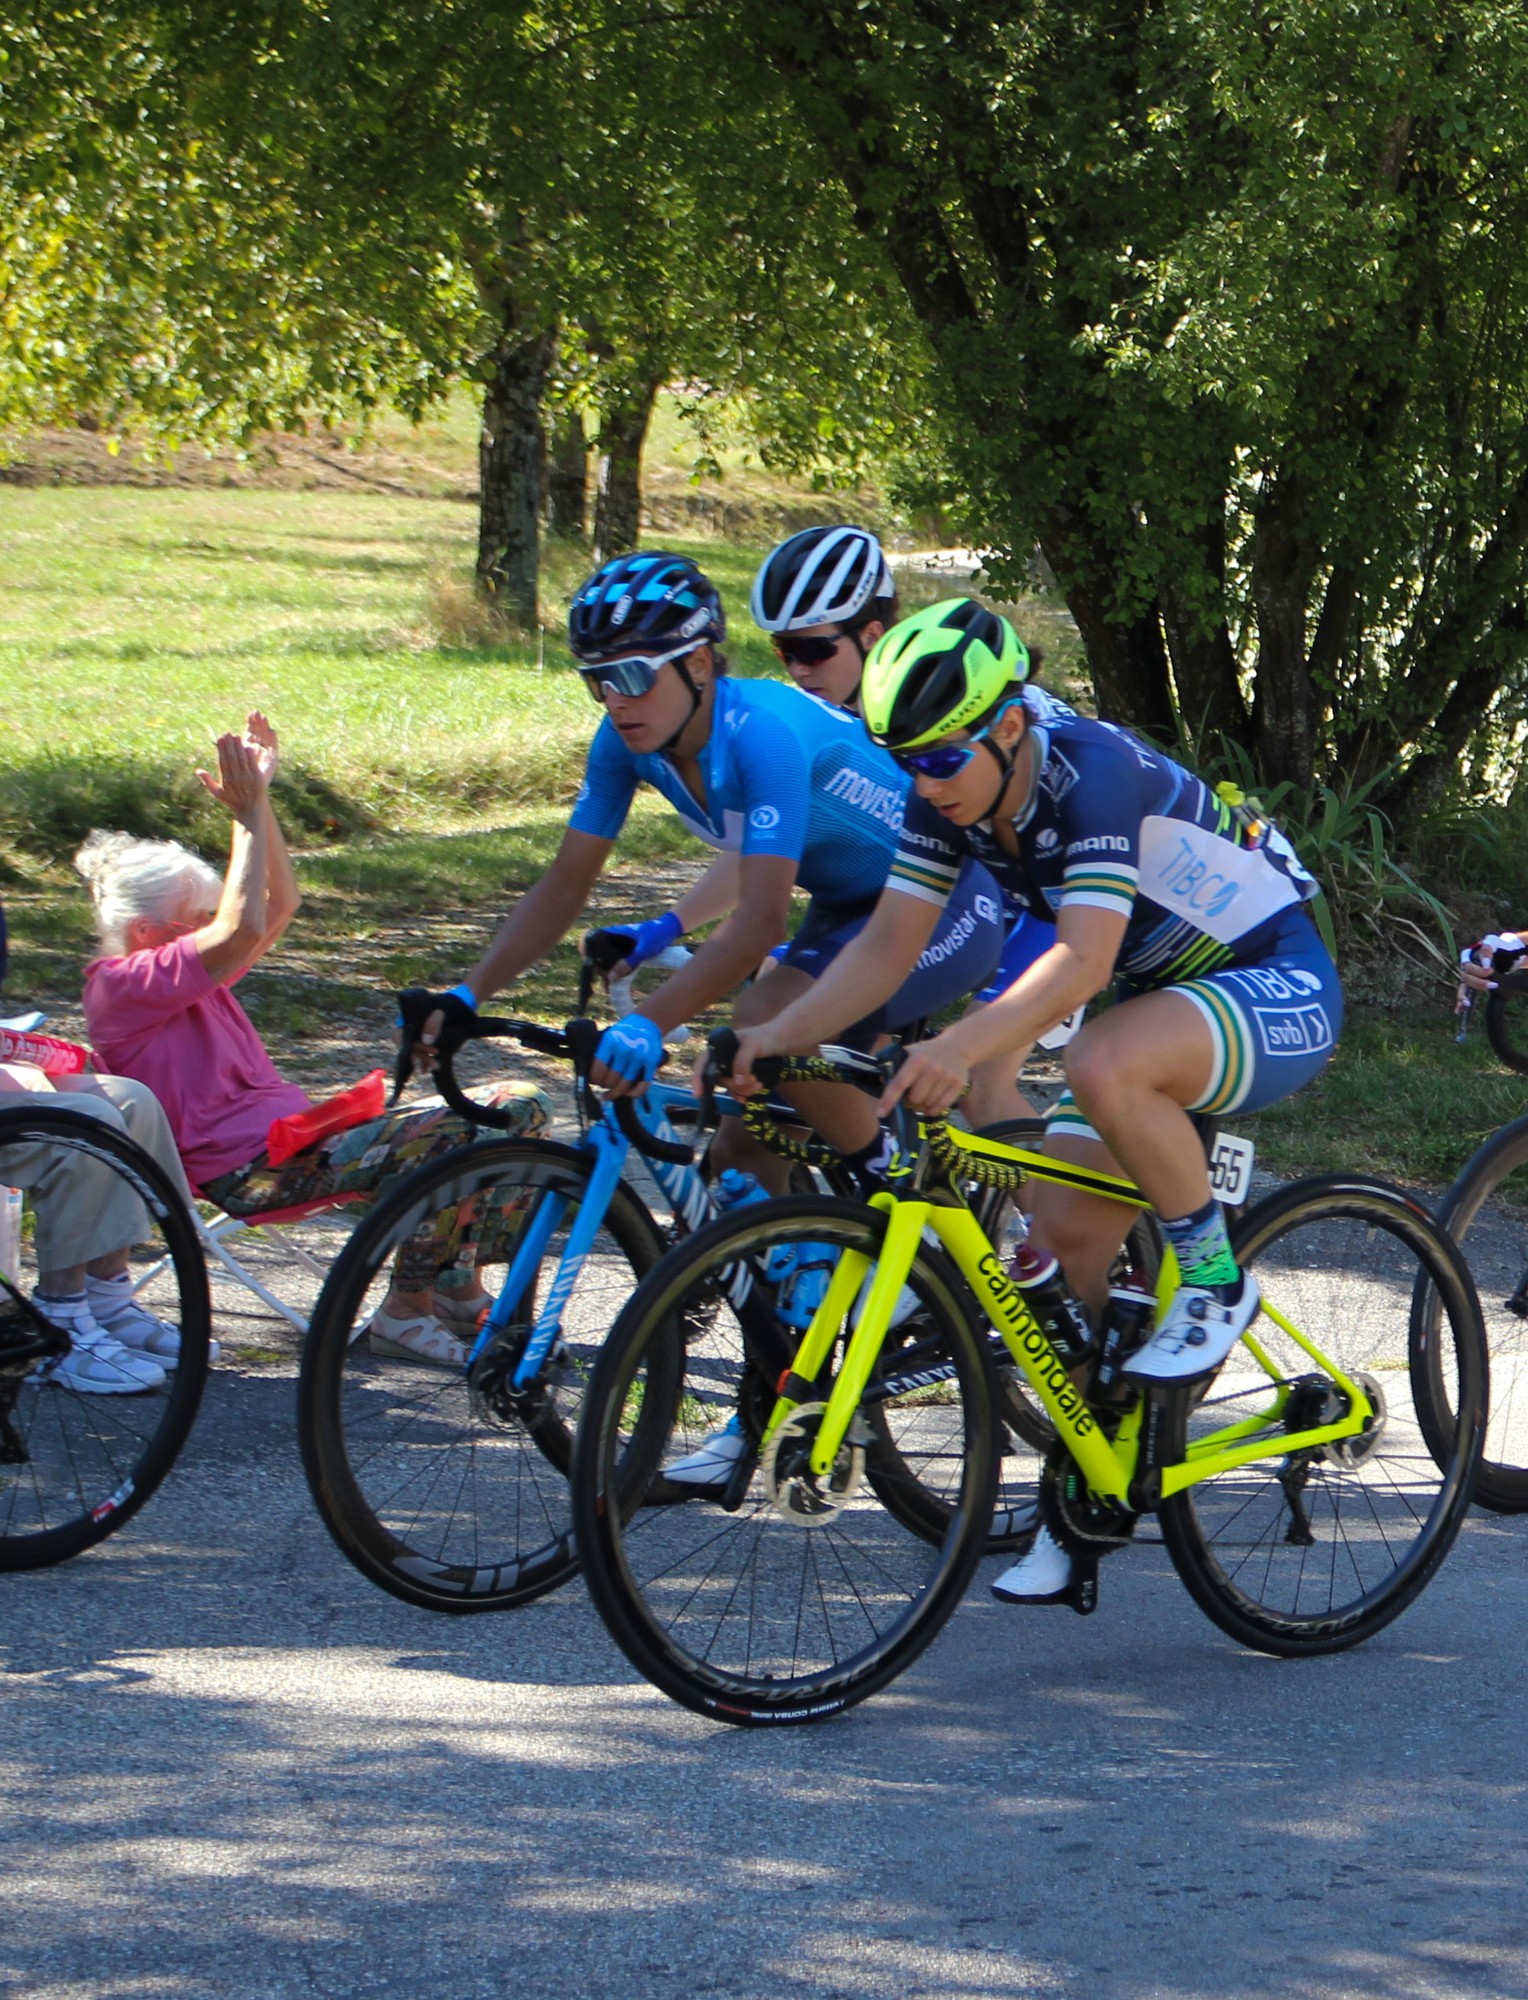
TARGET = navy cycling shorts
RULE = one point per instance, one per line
(958, 960)
(1028, 938)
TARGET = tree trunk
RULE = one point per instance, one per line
(567, 476)
(1282, 574)
(509, 471)
(618, 479)
(1128, 661)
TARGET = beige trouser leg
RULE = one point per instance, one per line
(84, 1207)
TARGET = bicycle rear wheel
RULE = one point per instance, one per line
(77, 1462)
(786, 1598)
(446, 1489)
(1486, 1213)
(1314, 1551)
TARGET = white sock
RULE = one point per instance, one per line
(62, 1305)
(108, 1296)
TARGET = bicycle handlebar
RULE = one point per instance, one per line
(577, 1042)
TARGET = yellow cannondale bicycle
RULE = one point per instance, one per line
(1305, 1497)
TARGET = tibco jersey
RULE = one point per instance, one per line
(784, 773)
(1112, 824)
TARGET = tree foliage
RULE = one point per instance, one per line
(1226, 300)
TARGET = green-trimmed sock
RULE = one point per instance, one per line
(1203, 1247)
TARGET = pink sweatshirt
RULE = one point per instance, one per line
(160, 1017)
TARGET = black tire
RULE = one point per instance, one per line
(436, 1488)
(1507, 1020)
(1341, 1257)
(1028, 1431)
(90, 1460)
(781, 1622)
(1487, 1216)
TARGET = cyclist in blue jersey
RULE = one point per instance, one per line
(1227, 999)
(794, 788)
(825, 596)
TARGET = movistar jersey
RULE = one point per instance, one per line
(1111, 824)
(784, 774)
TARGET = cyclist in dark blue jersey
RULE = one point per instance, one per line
(1198, 917)
(793, 787)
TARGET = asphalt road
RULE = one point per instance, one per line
(235, 1768)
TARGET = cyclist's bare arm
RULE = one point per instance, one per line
(866, 972)
(1078, 966)
(540, 918)
(732, 951)
(714, 895)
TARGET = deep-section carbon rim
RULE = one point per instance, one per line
(1312, 1552)
(733, 1604)
(74, 1465)
(450, 1492)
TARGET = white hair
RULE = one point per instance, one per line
(142, 878)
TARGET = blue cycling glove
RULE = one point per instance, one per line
(632, 1049)
(648, 939)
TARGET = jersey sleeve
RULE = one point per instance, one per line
(610, 780)
(1099, 815)
(772, 770)
(928, 855)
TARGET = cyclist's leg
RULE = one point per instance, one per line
(1236, 1039)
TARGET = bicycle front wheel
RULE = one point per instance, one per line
(448, 1487)
(83, 1441)
(779, 1595)
(1313, 1551)
(1486, 1213)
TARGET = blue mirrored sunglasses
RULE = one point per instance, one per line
(946, 760)
(634, 676)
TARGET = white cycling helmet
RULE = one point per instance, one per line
(823, 576)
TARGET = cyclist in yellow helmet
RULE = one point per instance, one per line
(1226, 999)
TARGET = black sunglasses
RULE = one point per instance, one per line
(797, 650)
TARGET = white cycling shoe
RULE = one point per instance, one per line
(1044, 1576)
(710, 1465)
(1198, 1333)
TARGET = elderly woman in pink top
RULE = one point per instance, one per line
(160, 1008)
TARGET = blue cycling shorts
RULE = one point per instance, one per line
(1274, 1024)
(959, 958)
(1028, 938)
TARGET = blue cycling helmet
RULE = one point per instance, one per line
(652, 601)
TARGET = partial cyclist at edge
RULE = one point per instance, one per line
(1225, 997)
(792, 787)
(825, 596)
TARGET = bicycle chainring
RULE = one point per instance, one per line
(1081, 1520)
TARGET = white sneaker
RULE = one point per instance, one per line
(133, 1327)
(97, 1365)
(712, 1462)
(1044, 1576)
(1198, 1333)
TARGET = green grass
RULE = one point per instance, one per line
(138, 623)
